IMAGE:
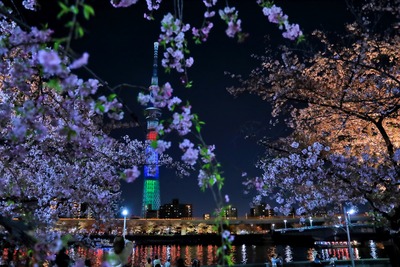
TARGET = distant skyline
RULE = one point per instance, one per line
(120, 44)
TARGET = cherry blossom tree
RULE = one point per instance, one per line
(342, 101)
(56, 151)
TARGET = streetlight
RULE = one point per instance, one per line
(346, 219)
(350, 212)
(285, 221)
(310, 221)
(340, 219)
(124, 213)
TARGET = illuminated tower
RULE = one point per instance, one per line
(151, 187)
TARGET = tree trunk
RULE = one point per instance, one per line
(393, 251)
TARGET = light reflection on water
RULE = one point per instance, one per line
(206, 254)
(244, 254)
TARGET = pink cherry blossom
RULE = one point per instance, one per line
(132, 174)
(123, 3)
(30, 4)
(80, 61)
(50, 61)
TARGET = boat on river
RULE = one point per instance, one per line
(311, 234)
(335, 244)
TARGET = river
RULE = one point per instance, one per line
(242, 254)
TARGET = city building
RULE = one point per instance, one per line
(261, 211)
(151, 214)
(231, 212)
(175, 210)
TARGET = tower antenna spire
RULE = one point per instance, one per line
(151, 185)
(154, 77)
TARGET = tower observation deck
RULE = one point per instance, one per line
(151, 186)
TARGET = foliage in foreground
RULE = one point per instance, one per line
(342, 100)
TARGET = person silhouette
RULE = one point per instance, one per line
(195, 263)
(167, 263)
(279, 260)
(119, 254)
(62, 259)
(273, 261)
(156, 261)
(332, 260)
(180, 263)
(318, 260)
(148, 263)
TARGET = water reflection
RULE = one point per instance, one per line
(206, 254)
(372, 246)
(242, 254)
(288, 254)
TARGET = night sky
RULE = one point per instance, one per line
(120, 44)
